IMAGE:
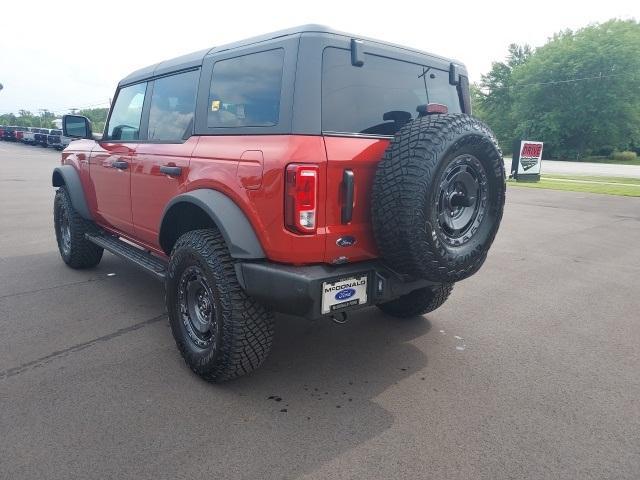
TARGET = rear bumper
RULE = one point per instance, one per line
(297, 290)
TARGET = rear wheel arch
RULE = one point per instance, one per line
(206, 208)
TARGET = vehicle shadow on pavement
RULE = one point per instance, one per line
(320, 388)
(103, 382)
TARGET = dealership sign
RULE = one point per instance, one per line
(527, 160)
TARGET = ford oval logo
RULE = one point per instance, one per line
(346, 241)
(345, 294)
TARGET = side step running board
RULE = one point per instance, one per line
(150, 263)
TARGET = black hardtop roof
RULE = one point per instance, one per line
(195, 59)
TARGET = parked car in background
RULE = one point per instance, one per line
(20, 131)
(9, 134)
(2, 127)
(28, 136)
(41, 137)
(53, 139)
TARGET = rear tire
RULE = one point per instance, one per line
(418, 302)
(220, 331)
(70, 228)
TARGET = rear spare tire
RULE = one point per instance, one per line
(438, 197)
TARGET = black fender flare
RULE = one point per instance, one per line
(232, 222)
(67, 175)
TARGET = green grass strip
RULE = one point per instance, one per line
(628, 187)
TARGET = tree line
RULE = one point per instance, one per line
(45, 118)
(25, 118)
(579, 93)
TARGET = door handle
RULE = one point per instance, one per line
(171, 170)
(120, 164)
(347, 196)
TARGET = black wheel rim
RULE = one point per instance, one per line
(197, 307)
(65, 232)
(462, 199)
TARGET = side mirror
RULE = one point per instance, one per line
(76, 126)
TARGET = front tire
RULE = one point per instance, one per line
(70, 228)
(418, 302)
(220, 331)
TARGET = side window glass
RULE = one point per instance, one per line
(124, 123)
(172, 107)
(245, 91)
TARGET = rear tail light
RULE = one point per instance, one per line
(301, 198)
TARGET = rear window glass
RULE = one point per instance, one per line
(245, 91)
(381, 96)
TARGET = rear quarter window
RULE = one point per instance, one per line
(381, 96)
(246, 90)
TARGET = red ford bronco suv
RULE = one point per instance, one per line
(308, 172)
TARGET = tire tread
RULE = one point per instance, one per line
(84, 254)
(247, 326)
(404, 177)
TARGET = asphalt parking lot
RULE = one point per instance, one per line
(531, 370)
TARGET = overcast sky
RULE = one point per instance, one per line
(63, 54)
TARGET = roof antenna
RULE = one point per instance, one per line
(424, 77)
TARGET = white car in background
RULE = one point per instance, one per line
(29, 136)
